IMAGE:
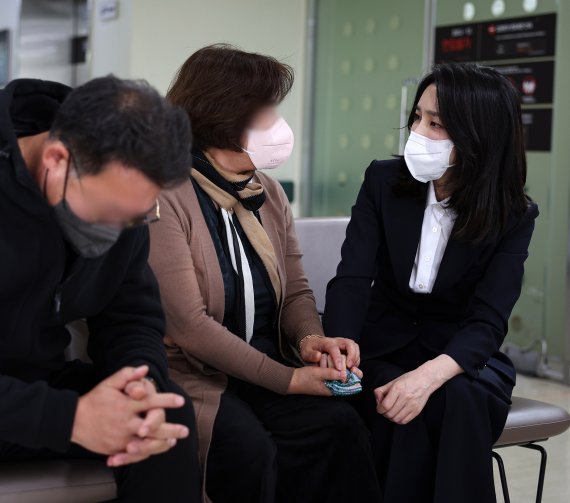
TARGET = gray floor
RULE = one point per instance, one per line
(522, 464)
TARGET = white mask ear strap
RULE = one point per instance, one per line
(243, 149)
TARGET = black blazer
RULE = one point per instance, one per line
(465, 316)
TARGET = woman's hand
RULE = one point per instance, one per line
(327, 362)
(404, 398)
(313, 347)
(310, 380)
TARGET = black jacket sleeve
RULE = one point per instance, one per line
(485, 328)
(348, 293)
(129, 330)
(36, 416)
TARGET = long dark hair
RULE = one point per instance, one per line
(480, 109)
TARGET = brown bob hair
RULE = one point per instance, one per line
(221, 88)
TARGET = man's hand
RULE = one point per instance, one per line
(404, 398)
(313, 348)
(107, 419)
(154, 434)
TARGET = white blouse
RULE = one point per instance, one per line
(436, 229)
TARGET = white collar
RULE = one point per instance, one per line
(432, 199)
(439, 206)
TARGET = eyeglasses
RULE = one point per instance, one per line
(152, 217)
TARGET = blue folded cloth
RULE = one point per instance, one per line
(352, 385)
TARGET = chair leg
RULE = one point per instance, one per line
(542, 472)
(503, 476)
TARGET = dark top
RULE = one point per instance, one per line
(264, 328)
(465, 316)
(43, 286)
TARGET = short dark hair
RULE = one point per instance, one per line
(110, 119)
(480, 110)
(222, 88)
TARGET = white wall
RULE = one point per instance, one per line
(111, 40)
(151, 39)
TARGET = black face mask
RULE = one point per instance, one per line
(89, 240)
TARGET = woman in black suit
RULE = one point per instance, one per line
(431, 268)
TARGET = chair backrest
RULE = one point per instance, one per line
(77, 348)
(321, 240)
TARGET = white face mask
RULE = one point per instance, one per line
(427, 159)
(271, 147)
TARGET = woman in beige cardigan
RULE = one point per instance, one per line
(243, 335)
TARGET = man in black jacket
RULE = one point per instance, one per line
(80, 172)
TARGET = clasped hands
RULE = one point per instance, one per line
(400, 400)
(124, 418)
(328, 359)
(332, 352)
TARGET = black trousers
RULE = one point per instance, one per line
(271, 448)
(444, 454)
(174, 475)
